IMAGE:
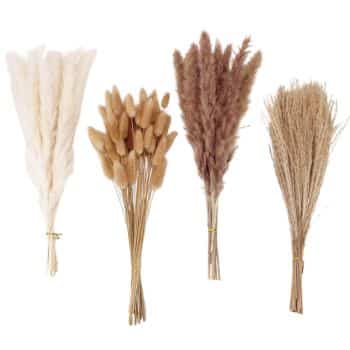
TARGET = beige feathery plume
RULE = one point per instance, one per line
(301, 128)
(48, 90)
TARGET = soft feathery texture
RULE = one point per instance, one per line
(214, 95)
(48, 88)
(302, 128)
(214, 90)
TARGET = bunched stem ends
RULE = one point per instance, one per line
(296, 297)
(213, 252)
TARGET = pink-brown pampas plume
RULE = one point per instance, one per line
(214, 88)
(48, 89)
(301, 129)
(133, 153)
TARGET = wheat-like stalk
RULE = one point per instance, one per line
(301, 130)
(132, 153)
(48, 89)
(214, 93)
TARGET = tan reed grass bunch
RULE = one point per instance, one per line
(214, 90)
(301, 129)
(133, 155)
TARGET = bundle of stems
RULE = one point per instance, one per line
(214, 88)
(302, 127)
(133, 155)
(48, 89)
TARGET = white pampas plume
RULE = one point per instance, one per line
(48, 89)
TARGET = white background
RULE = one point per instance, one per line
(85, 306)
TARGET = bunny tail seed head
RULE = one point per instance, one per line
(119, 174)
(97, 139)
(158, 174)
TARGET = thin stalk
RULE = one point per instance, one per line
(137, 199)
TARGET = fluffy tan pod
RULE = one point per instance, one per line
(130, 106)
(112, 130)
(167, 126)
(162, 121)
(109, 110)
(107, 165)
(121, 147)
(110, 148)
(97, 139)
(148, 137)
(117, 105)
(170, 139)
(138, 116)
(142, 96)
(160, 151)
(158, 174)
(124, 125)
(138, 146)
(165, 100)
(103, 113)
(156, 106)
(131, 167)
(153, 145)
(119, 174)
(146, 114)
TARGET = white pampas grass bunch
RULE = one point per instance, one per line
(48, 89)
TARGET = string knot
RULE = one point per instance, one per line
(299, 260)
(54, 235)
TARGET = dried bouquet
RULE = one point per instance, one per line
(132, 153)
(301, 129)
(214, 93)
(48, 89)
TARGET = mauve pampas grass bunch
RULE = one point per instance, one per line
(133, 155)
(214, 88)
(48, 88)
(301, 129)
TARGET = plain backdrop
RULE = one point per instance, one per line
(85, 306)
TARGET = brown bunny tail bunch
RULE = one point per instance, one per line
(133, 153)
(301, 128)
(214, 90)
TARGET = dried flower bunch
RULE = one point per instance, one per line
(133, 155)
(301, 129)
(214, 90)
(48, 89)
